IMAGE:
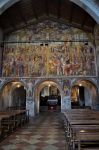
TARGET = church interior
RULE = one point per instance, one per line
(49, 75)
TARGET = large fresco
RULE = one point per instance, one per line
(48, 49)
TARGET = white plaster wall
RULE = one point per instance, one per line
(5, 99)
(88, 100)
(1, 39)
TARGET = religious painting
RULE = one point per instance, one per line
(50, 49)
(66, 87)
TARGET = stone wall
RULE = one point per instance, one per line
(1, 50)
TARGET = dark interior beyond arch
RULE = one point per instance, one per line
(50, 99)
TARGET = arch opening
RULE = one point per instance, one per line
(84, 95)
(13, 96)
(48, 97)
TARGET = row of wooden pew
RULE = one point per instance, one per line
(82, 129)
(11, 120)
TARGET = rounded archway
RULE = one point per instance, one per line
(48, 96)
(13, 96)
(84, 94)
(89, 6)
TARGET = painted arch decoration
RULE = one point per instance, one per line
(48, 49)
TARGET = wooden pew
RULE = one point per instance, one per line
(89, 137)
(10, 120)
(75, 122)
(5, 128)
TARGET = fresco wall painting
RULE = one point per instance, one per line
(62, 55)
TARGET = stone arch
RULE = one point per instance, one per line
(5, 82)
(91, 91)
(5, 4)
(6, 92)
(91, 7)
(93, 81)
(38, 88)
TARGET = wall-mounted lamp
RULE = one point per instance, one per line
(82, 131)
(49, 85)
(18, 86)
(80, 84)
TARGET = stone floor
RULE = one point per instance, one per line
(45, 132)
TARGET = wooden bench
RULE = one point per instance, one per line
(10, 120)
(79, 127)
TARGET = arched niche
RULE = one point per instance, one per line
(84, 94)
(13, 95)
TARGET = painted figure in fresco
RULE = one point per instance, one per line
(92, 62)
(62, 64)
(13, 67)
(30, 88)
(66, 87)
(30, 66)
(58, 64)
(71, 58)
(41, 65)
(20, 67)
(67, 68)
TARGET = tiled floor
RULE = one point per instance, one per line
(45, 132)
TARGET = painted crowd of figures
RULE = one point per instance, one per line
(54, 59)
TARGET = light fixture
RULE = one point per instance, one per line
(49, 85)
(80, 84)
(82, 131)
(18, 86)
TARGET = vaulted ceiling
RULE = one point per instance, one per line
(26, 12)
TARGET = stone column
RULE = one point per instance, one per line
(30, 98)
(96, 36)
(66, 100)
(1, 50)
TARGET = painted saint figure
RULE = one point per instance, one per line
(29, 89)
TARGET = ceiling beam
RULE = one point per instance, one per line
(46, 7)
(1, 23)
(59, 8)
(84, 20)
(71, 13)
(20, 13)
(34, 10)
(9, 20)
(85, 29)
